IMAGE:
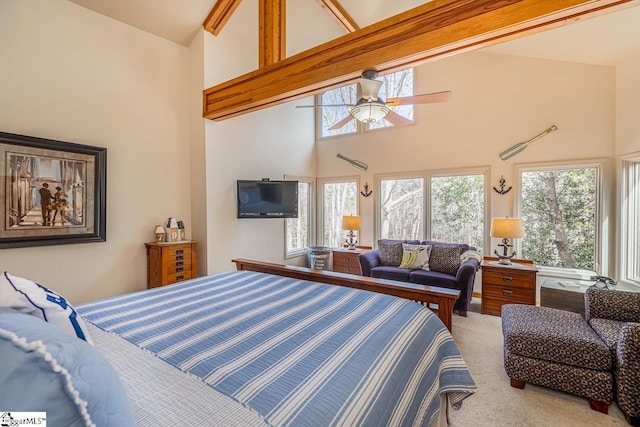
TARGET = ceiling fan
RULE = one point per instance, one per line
(371, 107)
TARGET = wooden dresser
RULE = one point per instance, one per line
(171, 262)
(346, 260)
(507, 284)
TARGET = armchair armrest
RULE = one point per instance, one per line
(368, 260)
(628, 368)
(612, 304)
(467, 271)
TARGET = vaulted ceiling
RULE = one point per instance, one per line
(430, 30)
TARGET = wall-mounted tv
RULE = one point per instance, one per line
(267, 199)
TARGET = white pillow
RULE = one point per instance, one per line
(31, 298)
(415, 256)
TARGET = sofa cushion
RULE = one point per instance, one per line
(415, 256)
(390, 252)
(391, 273)
(433, 278)
(446, 258)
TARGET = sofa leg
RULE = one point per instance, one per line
(462, 313)
(599, 406)
(633, 421)
(517, 383)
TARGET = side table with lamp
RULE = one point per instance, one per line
(506, 280)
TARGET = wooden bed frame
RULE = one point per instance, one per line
(440, 300)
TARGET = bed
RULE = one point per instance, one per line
(252, 348)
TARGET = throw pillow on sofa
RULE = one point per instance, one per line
(415, 256)
(445, 259)
(390, 252)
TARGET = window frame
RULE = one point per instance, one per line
(628, 243)
(311, 217)
(320, 228)
(427, 176)
(602, 232)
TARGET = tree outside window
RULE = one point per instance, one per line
(559, 212)
(458, 209)
(339, 199)
(298, 230)
(402, 208)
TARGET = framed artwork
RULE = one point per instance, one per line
(52, 192)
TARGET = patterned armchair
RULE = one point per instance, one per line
(615, 316)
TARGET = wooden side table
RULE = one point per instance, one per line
(346, 260)
(565, 295)
(169, 263)
(507, 284)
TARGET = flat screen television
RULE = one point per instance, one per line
(267, 199)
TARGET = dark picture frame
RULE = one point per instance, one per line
(52, 192)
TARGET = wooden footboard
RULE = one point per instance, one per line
(440, 300)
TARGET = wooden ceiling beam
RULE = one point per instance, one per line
(219, 15)
(337, 12)
(272, 35)
(434, 30)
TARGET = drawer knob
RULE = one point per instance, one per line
(507, 293)
(179, 258)
(507, 279)
(179, 269)
(179, 277)
(179, 251)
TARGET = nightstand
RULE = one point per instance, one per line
(346, 260)
(169, 263)
(507, 284)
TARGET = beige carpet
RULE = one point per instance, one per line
(496, 403)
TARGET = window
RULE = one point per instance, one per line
(395, 84)
(630, 220)
(338, 198)
(458, 209)
(401, 208)
(559, 207)
(298, 231)
(455, 203)
(329, 116)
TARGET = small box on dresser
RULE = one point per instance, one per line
(507, 284)
(169, 263)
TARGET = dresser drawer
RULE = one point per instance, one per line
(347, 260)
(349, 269)
(506, 278)
(510, 294)
(178, 277)
(178, 266)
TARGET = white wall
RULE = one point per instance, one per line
(73, 75)
(628, 106)
(269, 143)
(498, 100)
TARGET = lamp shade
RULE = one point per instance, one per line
(351, 222)
(507, 227)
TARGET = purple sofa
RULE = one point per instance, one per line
(463, 279)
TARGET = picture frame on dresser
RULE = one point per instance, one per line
(52, 192)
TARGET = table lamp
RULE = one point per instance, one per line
(505, 229)
(351, 222)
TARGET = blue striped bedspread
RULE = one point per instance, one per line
(299, 353)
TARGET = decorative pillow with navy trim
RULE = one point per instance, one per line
(47, 370)
(31, 298)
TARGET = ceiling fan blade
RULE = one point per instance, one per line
(342, 122)
(324, 105)
(427, 98)
(370, 88)
(397, 120)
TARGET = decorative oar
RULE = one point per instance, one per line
(519, 147)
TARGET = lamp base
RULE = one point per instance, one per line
(351, 241)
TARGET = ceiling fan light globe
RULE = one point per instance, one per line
(369, 112)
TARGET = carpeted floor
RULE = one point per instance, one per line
(496, 403)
